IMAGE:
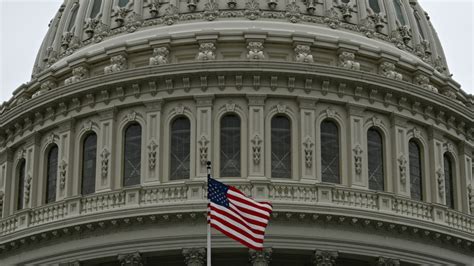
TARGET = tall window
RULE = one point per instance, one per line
(72, 17)
(52, 174)
(230, 146)
(281, 147)
(132, 155)
(374, 5)
(399, 12)
(416, 181)
(375, 159)
(96, 4)
(180, 148)
(21, 184)
(330, 152)
(89, 157)
(448, 181)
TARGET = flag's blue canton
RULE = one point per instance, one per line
(217, 192)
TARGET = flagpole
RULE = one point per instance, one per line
(208, 222)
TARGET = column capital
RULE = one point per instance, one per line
(130, 259)
(325, 257)
(194, 256)
(260, 258)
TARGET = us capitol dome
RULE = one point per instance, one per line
(341, 113)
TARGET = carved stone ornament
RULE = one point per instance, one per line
(152, 154)
(95, 29)
(402, 167)
(440, 179)
(281, 108)
(52, 138)
(203, 149)
(346, 11)
(347, 61)
(105, 162)
(416, 133)
(377, 122)
(27, 188)
(379, 21)
(206, 51)
(78, 74)
(424, 82)
(308, 151)
(311, 6)
(211, 11)
(48, 85)
(160, 56)
(171, 15)
(449, 147)
(132, 259)
(292, 12)
(230, 106)
(179, 109)
(21, 154)
(255, 51)
(62, 174)
(382, 261)
(154, 8)
(387, 69)
(330, 113)
(303, 54)
(470, 194)
(358, 159)
(117, 63)
(194, 256)
(325, 258)
(133, 22)
(252, 9)
(120, 14)
(260, 258)
(332, 18)
(256, 148)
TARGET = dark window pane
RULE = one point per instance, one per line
(281, 147)
(180, 148)
(374, 4)
(52, 172)
(416, 184)
(95, 8)
(230, 146)
(21, 184)
(330, 152)
(89, 156)
(122, 3)
(132, 155)
(375, 160)
(73, 16)
(398, 10)
(448, 181)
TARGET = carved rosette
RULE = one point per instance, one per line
(292, 12)
(308, 151)
(382, 261)
(132, 259)
(303, 54)
(255, 51)
(358, 159)
(117, 63)
(387, 70)
(256, 148)
(211, 11)
(160, 56)
(194, 256)
(206, 51)
(152, 147)
(325, 258)
(252, 10)
(402, 167)
(347, 61)
(203, 149)
(105, 162)
(260, 258)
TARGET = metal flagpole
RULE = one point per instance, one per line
(208, 222)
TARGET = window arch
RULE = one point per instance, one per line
(448, 180)
(330, 152)
(21, 183)
(230, 146)
(375, 6)
(51, 174)
(180, 150)
(399, 12)
(89, 160)
(416, 174)
(95, 10)
(281, 146)
(72, 17)
(375, 159)
(132, 155)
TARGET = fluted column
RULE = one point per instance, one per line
(130, 259)
(325, 258)
(260, 258)
(194, 256)
(383, 261)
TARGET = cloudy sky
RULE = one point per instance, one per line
(23, 24)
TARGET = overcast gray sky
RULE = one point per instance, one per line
(23, 25)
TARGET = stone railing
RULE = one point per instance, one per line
(285, 196)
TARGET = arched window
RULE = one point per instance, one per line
(448, 181)
(89, 157)
(374, 5)
(375, 159)
(123, 3)
(180, 148)
(230, 146)
(52, 174)
(416, 176)
(330, 152)
(72, 17)
(132, 155)
(398, 10)
(96, 5)
(281, 147)
(21, 184)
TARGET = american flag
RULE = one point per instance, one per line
(236, 215)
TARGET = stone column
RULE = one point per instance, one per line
(151, 165)
(130, 259)
(400, 158)
(436, 166)
(260, 258)
(6, 166)
(256, 125)
(383, 261)
(357, 148)
(31, 174)
(203, 134)
(194, 256)
(105, 151)
(65, 146)
(308, 151)
(325, 258)
(80, 18)
(391, 16)
(465, 166)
